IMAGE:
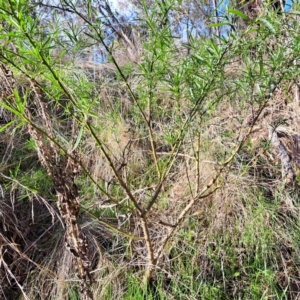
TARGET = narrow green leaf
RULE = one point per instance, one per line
(19, 101)
(293, 12)
(89, 8)
(78, 138)
(2, 128)
(261, 65)
(238, 13)
(10, 108)
(94, 115)
(268, 25)
(215, 48)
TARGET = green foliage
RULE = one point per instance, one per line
(143, 131)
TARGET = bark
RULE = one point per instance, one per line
(283, 155)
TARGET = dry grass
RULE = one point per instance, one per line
(245, 229)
